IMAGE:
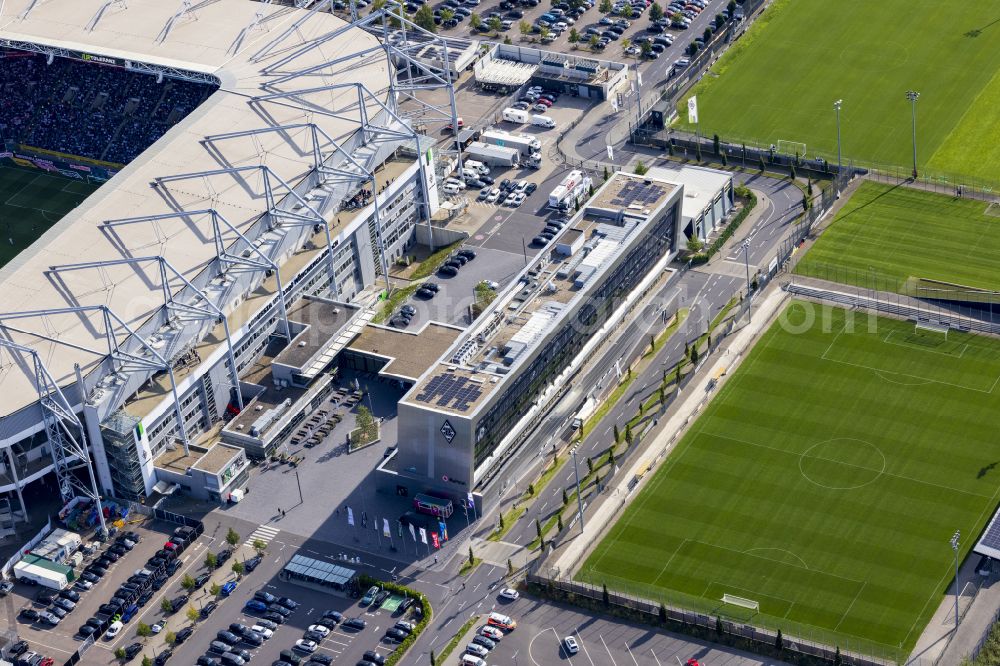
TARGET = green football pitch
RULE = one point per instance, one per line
(780, 80)
(824, 482)
(30, 203)
(896, 233)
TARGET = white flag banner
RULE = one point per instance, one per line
(386, 532)
(423, 535)
(614, 103)
(693, 109)
(350, 516)
(413, 532)
(611, 152)
(638, 76)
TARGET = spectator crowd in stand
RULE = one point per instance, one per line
(95, 111)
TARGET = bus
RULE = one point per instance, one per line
(433, 506)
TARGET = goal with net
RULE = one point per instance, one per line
(931, 329)
(742, 602)
(793, 148)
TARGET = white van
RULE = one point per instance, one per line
(470, 173)
(539, 120)
(472, 660)
(451, 188)
(479, 167)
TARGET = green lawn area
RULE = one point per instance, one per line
(824, 482)
(897, 233)
(779, 82)
(30, 203)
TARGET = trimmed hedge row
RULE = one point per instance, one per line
(365, 581)
(751, 203)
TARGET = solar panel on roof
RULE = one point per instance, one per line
(451, 391)
(636, 192)
(991, 538)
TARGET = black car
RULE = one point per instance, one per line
(183, 635)
(201, 580)
(425, 293)
(467, 253)
(118, 549)
(374, 657)
(205, 660)
(29, 614)
(17, 648)
(253, 563)
(177, 603)
(57, 611)
(86, 631)
(354, 623)
(144, 598)
(163, 657)
(222, 556)
(313, 636)
(396, 635)
(448, 271)
(89, 577)
(110, 555)
(530, 189)
(228, 637)
(158, 582)
(173, 567)
(433, 286)
(266, 597)
(277, 618)
(320, 658)
(290, 657)
(207, 609)
(109, 609)
(44, 596)
(279, 609)
(331, 616)
(132, 650)
(70, 594)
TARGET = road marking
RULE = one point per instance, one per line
(611, 656)
(579, 639)
(654, 656)
(630, 654)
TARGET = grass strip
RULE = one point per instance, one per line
(453, 643)
(433, 262)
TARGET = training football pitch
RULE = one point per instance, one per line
(30, 203)
(780, 80)
(824, 482)
(897, 233)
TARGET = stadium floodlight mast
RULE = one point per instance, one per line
(954, 546)
(913, 96)
(746, 262)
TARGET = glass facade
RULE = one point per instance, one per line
(561, 349)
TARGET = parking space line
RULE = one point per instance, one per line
(655, 657)
(610, 656)
(583, 645)
(631, 655)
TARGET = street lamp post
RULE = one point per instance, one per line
(579, 495)
(746, 262)
(954, 546)
(913, 96)
(840, 160)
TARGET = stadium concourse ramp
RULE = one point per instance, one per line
(889, 304)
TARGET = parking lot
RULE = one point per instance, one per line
(543, 627)
(62, 640)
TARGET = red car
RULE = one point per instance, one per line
(691, 662)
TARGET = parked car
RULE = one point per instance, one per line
(331, 616)
(354, 623)
(255, 606)
(396, 635)
(487, 643)
(305, 645)
(509, 594)
(113, 630)
(207, 609)
(183, 635)
(228, 588)
(132, 650)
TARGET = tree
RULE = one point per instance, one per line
(694, 356)
(447, 15)
(531, 490)
(661, 396)
(507, 40)
(501, 521)
(837, 659)
(559, 523)
(791, 172)
(590, 190)
(655, 12)
(640, 168)
(166, 606)
(805, 202)
(211, 561)
(538, 528)
(144, 630)
(472, 557)
(574, 36)
(120, 653)
(670, 144)
(475, 21)
(731, 6)
(188, 583)
(606, 174)
(652, 343)
(628, 12)
(604, 595)
(628, 434)
(626, 43)
(763, 165)
(193, 614)
(433, 659)
(214, 589)
(692, 48)
(646, 48)
(663, 614)
(679, 376)
(809, 186)
(605, 7)
(716, 145)
(725, 160)
(523, 26)
(424, 17)
(618, 435)
(697, 151)
(544, 32)
(170, 638)
(594, 41)
(510, 566)
(694, 243)
(259, 545)
(720, 21)
(707, 35)
(779, 642)
(565, 497)
(590, 465)
(718, 625)
(611, 457)
(495, 24)
(232, 537)
(238, 568)
(146, 661)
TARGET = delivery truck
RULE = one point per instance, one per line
(574, 187)
(501, 156)
(523, 142)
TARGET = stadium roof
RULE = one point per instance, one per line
(226, 38)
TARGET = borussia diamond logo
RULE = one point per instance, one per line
(448, 432)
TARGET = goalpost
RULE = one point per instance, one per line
(925, 327)
(742, 602)
(793, 148)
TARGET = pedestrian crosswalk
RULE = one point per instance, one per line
(263, 532)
